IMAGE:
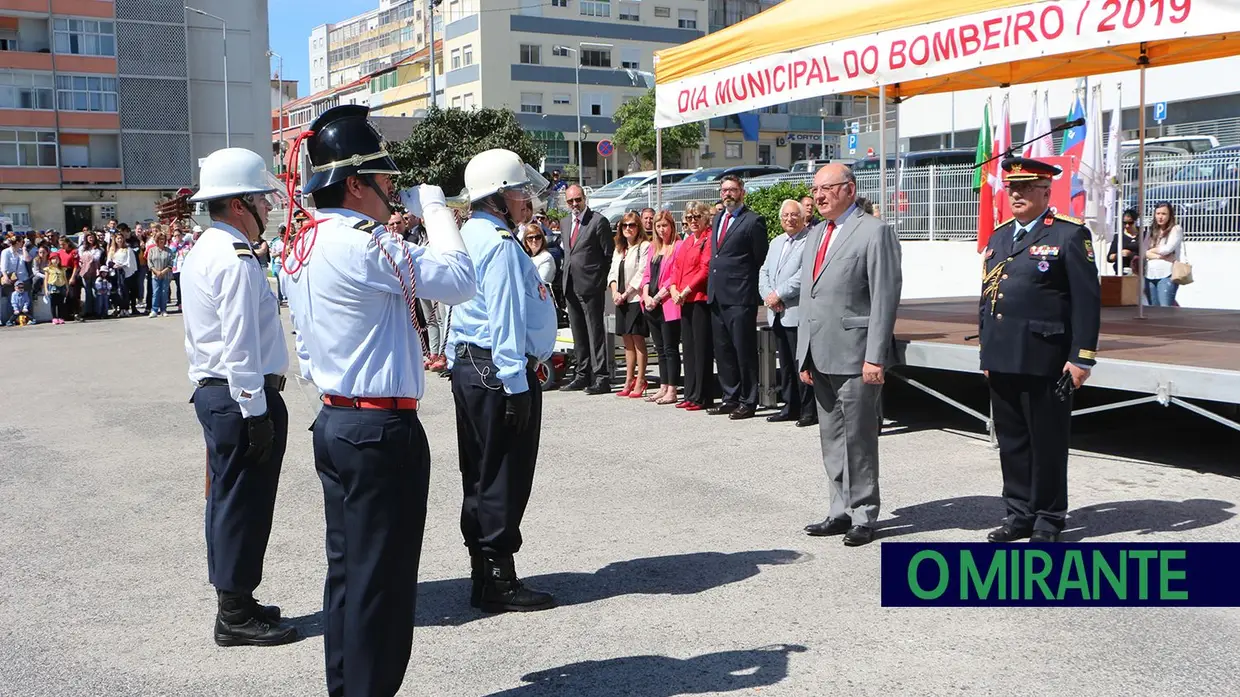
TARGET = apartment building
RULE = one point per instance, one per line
(107, 105)
(346, 51)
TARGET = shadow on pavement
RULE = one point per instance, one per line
(662, 676)
(977, 514)
(446, 602)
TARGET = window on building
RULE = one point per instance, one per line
(764, 154)
(630, 12)
(456, 58)
(531, 54)
(8, 40)
(85, 37)
(19, 213)
(595, 104)
(594, 8)
(559, 51)
(27, 148)
(467, 100)
(531, 103)
(596, 57)
(631, 58)
(559, 3)
(732, 149)
(456, 102)
(687, 19)
(561, 98)
(85, 93)
(25, 90)
(467, 55)
(663, 12)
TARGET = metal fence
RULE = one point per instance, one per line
(938, 202)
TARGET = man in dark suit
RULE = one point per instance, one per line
(588, 245)
(738, 249)
(1038, 320)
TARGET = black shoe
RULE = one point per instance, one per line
(1008, 533)
(828, 527)
(271, 613)
(254, 630)
(577, 385)
(858, 535)
(1043, 536)
(600, 386)
(725, 408)
(781, 417)
(811, 420)
(744, 411)
(502, 591)
(475, 578)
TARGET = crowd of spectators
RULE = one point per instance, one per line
(116, 271)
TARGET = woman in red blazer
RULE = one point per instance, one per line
(689, 272)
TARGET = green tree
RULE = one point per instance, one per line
(635, 132)
(766, 202)
(440, 146)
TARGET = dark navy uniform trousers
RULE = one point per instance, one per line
(375, 469)
(1033, 427)
(242, 496)
(497, 464)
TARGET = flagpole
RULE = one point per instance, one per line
(882, 152)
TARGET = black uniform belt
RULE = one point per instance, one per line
(273, 382)
(483, 354)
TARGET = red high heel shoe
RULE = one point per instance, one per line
(639, 390)
(628, 388)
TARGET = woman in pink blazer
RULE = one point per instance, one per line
(663, 315)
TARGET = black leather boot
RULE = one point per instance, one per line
(241, 621)
(502, 591)
(476, 570)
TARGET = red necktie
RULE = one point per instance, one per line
(723, 229)
(572, 241)
(822, 249)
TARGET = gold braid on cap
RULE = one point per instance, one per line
(355, 161)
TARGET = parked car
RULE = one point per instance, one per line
(1205, 193)
(703, 185)
(1193, 144)
(1161, 163)
(634, 190)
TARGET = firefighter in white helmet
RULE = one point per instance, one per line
(237, 359)
(495, 341)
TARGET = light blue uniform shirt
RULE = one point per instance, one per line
(513, 314)
(354, 336)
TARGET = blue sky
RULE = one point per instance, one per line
(290, 22)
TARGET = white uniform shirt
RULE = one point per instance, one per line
(232, 319)
(354, 336)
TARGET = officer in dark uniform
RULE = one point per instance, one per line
(1039, 316)
(352, 299)
(496, 340)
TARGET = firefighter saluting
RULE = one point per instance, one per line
(1039, 320)
(352, 291)
(495, 342)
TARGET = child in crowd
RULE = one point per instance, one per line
(103, 288)
(56, 283)
(20, 300)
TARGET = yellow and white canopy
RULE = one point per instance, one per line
(809, 48)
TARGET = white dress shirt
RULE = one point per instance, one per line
(354, 336)
(232, 319)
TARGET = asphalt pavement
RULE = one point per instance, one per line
(672, 540)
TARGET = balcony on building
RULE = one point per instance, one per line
(25, 43)
(90, 158)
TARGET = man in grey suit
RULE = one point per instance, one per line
(588, 245)
(779, 284)
(851, 284)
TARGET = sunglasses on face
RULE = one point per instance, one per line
(695, 216)
(629, 225)
(576, 200)
(532, 238)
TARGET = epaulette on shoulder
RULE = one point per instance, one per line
(368, 226)
(1004, 223)
(243, 250)
(505, 235)
(1069, 219)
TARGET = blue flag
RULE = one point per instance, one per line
(750, 125)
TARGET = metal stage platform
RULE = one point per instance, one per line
(1172, 355)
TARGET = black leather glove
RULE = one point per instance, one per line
(262, 434)
(517, 411)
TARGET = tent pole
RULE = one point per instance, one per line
(658, 166)
(895, 196)
(1143, 61)
(882, 152)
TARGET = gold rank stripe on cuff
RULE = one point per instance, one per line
(244, 251)
(1088, 355)
(368, 226)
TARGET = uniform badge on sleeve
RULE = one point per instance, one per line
(1089, 248)
(542, 291)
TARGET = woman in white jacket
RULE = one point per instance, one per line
(628, 262)
(124, 262)
(535, 241)
(1162, 251)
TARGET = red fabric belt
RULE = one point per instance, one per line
(385, 403)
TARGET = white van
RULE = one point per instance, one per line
(1193, 144)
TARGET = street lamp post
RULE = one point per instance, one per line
(280, 113)
(224, 25)
(822, 133)
(577, 82)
